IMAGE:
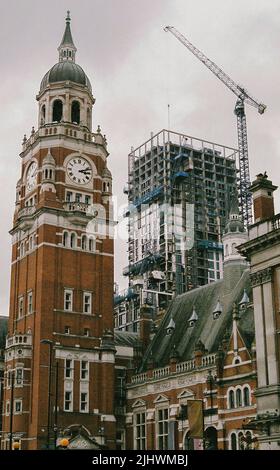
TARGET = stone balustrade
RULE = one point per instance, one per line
(182, 367)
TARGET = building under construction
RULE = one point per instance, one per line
(179, 192)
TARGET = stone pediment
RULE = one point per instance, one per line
(82, 442)
(138, 403)
(186, 394)
(161, 399)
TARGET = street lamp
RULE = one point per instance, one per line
(50, 343)
(64, 443)
(16, 445)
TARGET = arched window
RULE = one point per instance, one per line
(246, 396)
(43, 114)
(57, 111)
(88, 118)
(233, 249)
(75, 112)
(65, 239)
(233, 441)
(84, 242)
(73, 240)
(238, 398)
(211, 438)
(21, 251)
(241, 441)
(236, 360)
(31, 242)
(231, 403)
(91, 244)
(249, 440)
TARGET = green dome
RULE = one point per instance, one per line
(65, 71)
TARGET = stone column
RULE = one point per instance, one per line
(260, 333)
(273, 372)
(264, 312)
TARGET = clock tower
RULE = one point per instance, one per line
(59, 375)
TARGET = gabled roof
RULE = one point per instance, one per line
(207, 329)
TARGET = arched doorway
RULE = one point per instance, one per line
(211, 440)
(188, 442)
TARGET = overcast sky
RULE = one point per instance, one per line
(136, 69)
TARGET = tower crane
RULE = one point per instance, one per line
(243, 97)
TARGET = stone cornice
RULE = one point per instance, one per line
(261, 277)
(259, 243)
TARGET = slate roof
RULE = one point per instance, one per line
(126, 338)
(63, 72)
(209, 331)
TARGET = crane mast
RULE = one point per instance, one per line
(243, 97)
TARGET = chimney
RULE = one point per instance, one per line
(262, 190)
(146, 323)
(199, 351)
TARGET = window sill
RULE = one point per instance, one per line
(75, 312)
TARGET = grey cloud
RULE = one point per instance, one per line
(136, 70)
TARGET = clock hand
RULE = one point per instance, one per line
(86, 170)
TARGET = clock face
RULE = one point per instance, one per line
(79, 170)
(31, 176)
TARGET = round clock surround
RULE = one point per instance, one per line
(79, 170)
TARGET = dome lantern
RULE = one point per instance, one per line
(66, 70)
(65, 93)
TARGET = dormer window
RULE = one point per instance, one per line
(193, 319)
(244, 301)
(217, 310)
(170, 327)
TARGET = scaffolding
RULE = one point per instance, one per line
(170, 170)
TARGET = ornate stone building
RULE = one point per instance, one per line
(263, 251)
(204, 350)
(59, 347)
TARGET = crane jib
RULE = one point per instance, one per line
(243, 97)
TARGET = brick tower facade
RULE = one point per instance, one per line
(59, 353)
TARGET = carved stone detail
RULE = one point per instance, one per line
(265, 275)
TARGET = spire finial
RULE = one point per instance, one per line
(67, 49)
